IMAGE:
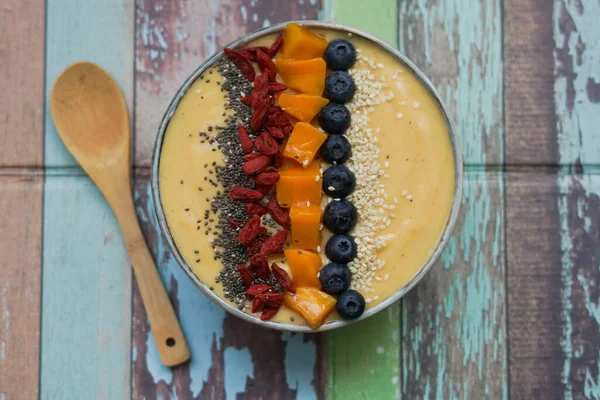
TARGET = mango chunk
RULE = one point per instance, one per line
(303, 107)
(301, 44)
(304, 265)
(313, 304)
(306, 221)
(303, 76)
(304, 143)
(299, 185)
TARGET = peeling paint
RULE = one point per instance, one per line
(238, 365)
(300, 356)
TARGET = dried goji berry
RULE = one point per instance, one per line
(277, 87)
(244, 194)
(260, 90)
(251, 156)
(259, 115)
(254, 248)
(243, 62)
(245, 141)
(271, 299)
(245, 100)
(260, 266)
(283, 278)
(265, 144)
(280, 215)
(267, 178)
(255, 209)
(275, 46)
(268, 312)
(274, 110)
(274, 244)
(264, 189)
(278, 159)
(249, 231)
(266, 64)
(234, 224)
(275, 132)
(287, 130)
(257, 304)
(278, 119)
(256, 165)
(246, 275)
(248, 54)
(254, 49)
(258, 289)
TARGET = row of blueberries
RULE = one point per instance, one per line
(340, 215)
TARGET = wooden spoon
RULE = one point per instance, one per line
(91, 117)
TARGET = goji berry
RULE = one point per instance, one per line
(249, 231)
(267, 178)
(251, 156)
(245, 100)
(259, 115)
(268, 312)
(245, 274)
(266, 64)
(265, 144)
(276, 132)
(256, 165)
(277, 87)
(264, 189)
(271, 299)
(254, 248)
(274, 244)
(280, 215)
(287, 130)
(248, 54)
(242, 61)
(260, 266)
(255, 209)
(275, 46)
(278, 159)
(278, 119)
(234, 224)
(245, 141)
(283, 278)
(258, 289)
(254, 49)
(274, 110)
(257, 304)
(244, 194)
(260, 90)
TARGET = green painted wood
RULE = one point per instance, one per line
(86, 290)
(453, 323)
(577, 101)
(363, 360)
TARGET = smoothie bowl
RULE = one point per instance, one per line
(307, 176)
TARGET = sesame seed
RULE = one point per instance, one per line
(399, 115)
(331, 188)
(416, 104)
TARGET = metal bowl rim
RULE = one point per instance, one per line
(456, 201)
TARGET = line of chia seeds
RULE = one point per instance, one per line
(225, 244)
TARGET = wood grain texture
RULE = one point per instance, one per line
(100, 31)
(20, 246)
(529, 77)
(22, 82)
(230, 357)
(453, 323)
(175, 37)
(534, 281)
(364, 359)
(86, 297)
(577, 100)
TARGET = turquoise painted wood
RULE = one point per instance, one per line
(86, 295)
(86, 289)
(577, 101)
(100, 31)
(453, 323)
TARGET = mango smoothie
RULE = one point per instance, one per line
(342, 201)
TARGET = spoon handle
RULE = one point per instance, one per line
(171, 343)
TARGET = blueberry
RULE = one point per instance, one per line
(334, 118)
(340, 216)
(341, 249)
(339, 87)
(338, 181)
(350, 304)
(340, 55)
(335, 278)
(336, 149)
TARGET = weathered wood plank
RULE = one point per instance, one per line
(86, 297)
(20, 246)
(577, 99)
(534, 282)
(453, 323)
(100, 31)
(22, 82)
(529, 77)
(364, 359)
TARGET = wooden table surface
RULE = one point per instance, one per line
(512, 310)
